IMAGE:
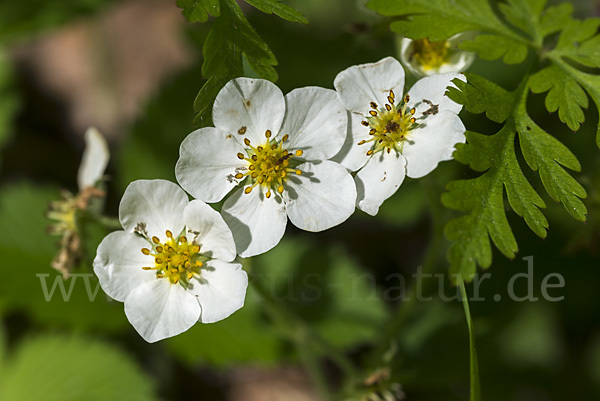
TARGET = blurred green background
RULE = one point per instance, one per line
(132, 69)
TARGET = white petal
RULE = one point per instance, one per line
(118, 264)
(256, 104)
(94, 160)
(359, 85)
(158, 309)
(316, 122)
(213, 234)
(207, 164)
(257, 223)
(221, 290)
(428, 146)
(352, 155)
(433, 88)
(157, 203)
(322, 197)
(379, 179)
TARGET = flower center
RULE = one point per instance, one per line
(268, 164)
(389, 125)
(431, 55)
(176, 258)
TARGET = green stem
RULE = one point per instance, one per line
(475, 387)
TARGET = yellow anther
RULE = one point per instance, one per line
(268, 133)
(169, 234)
(372, 131)
(406, 98)
(280, 189)
(298, 172)
(389, 150)
(248, 190)
(369, 153)
(299, 152)
(156, 240)
(362, 142)
(392, 94)
(239, 176)
(254, 157)
(388, 107)
(260, 149)
(413, 120)
(373, 113)
(183, 239)
(146, 268)
(242, 131)
(285, 138)
(146, 251)
(247, 141)
(274, 146)
(268, 194)
(159, 249)
(373, 105)
(365, 123)
(413, 110)
(241, 156)
(390, 99)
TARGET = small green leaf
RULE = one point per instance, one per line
(565, 95)
(198, 10)
(72, 369)
(524, 14)
(278, 8)
(492, 47)
(479, 95)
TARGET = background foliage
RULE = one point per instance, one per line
(523, 175)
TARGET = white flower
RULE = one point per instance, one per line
(278, 148)
(172, 264)
(423, 57)
(391, 137)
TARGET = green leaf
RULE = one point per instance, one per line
(439, 19)
(72, 369)
(492, 47)
(475, 386)
(524, 14)
(278, 8)
(494, 155)
(565, 95)
(545, 153)
(198, 10)
(230, 39)
(555, 18)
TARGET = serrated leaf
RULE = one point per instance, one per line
(555, 18)
(494, 155)
(590, 82)
(72, 369)
(278, 8)
(524, 14)
(575, 32)
(545, 153)
(438, 19)
(198, 10)
(492, 47)
(230, 39)
(565, 95)
(479, 95)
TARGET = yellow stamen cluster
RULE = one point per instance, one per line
(431, 55)
(389, 126)
(268, 164)
(176, 258)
